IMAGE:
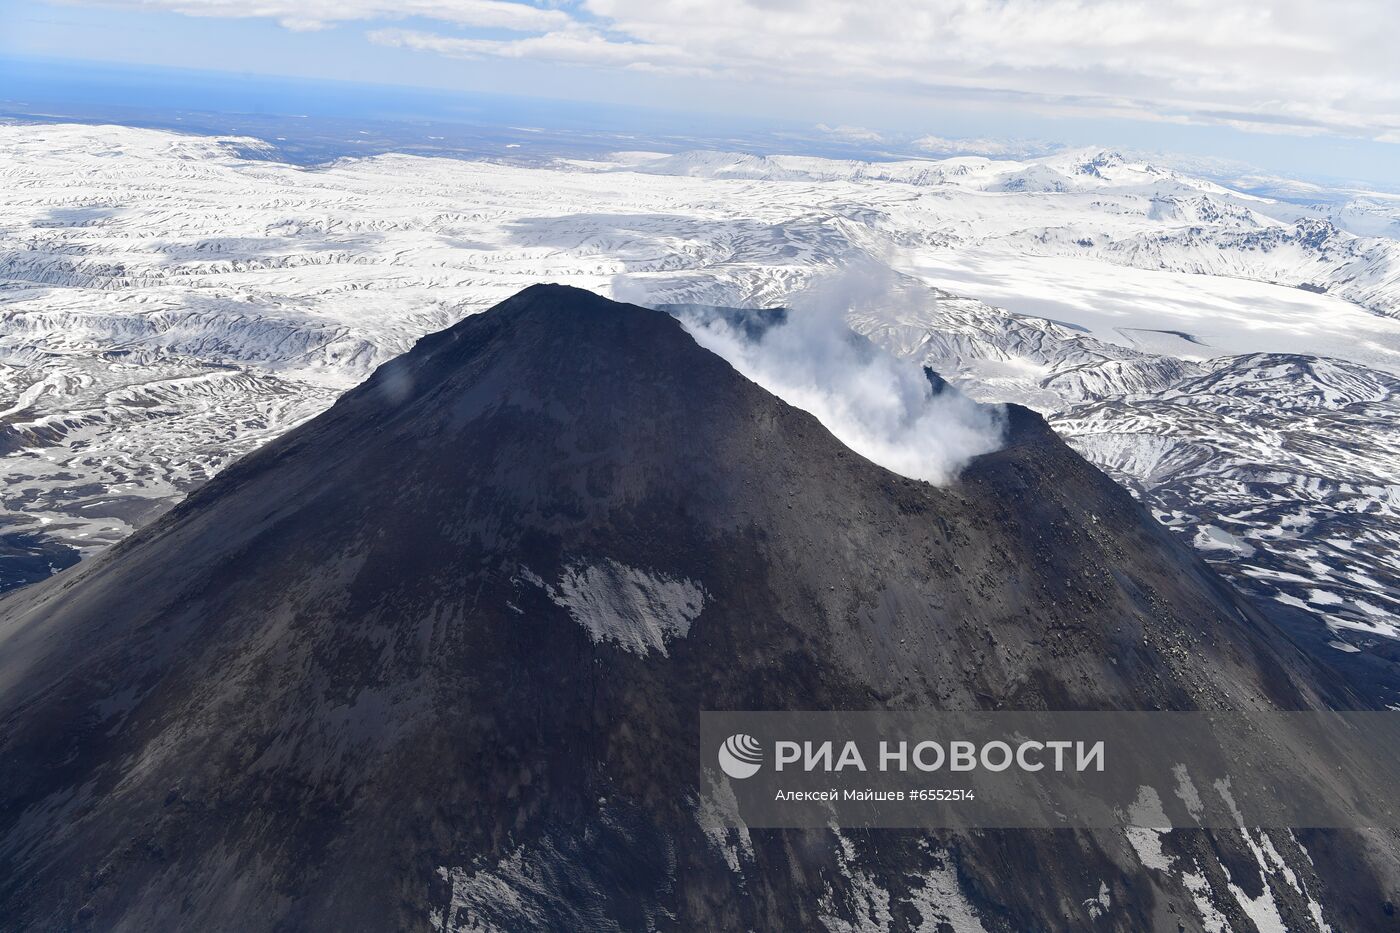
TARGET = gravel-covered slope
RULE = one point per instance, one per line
(388, 671)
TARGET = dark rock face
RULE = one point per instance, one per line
(435, 659)
(27, 557)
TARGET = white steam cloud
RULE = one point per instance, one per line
(881, 407)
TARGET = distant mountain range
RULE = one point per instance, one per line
(1164, 219)
(169, 303)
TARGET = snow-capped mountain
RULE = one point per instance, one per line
(1112, 210)
(168, 303)
(1283, 461)
(436, 658)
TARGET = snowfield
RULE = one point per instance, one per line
(169, 302)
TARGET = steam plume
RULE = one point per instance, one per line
(881, 407)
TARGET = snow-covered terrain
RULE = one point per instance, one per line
(1095, 206)
(168, 303)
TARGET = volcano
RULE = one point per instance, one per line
(435, 660)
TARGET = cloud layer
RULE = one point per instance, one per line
(1289, 66)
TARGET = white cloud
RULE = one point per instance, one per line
(1290, 66)
(317, 14)
(1295, 64)
(573, 46)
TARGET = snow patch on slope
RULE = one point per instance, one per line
(638, 611)
(717, 812)
(940, 901)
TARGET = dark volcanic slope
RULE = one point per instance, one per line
(436, 657)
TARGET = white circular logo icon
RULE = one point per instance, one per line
(740, 756)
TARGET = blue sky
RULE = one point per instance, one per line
(1300, 88)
